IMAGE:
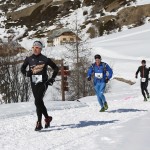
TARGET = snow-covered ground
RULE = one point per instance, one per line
(79, 124)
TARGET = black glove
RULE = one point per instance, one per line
(28, 73)
(50, 81)
(106, 80)
(136, 76)
(89, 78)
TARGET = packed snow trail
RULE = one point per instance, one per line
(75, 127)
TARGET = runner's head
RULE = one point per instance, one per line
(97, 59)
(143, 62)
(37, 47)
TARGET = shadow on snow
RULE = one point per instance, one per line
(125, 110)
(81, 124)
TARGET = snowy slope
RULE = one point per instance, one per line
(80, 125)
(67, 21)
(132, 43)
(124, 50)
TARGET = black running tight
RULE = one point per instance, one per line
(38, 93)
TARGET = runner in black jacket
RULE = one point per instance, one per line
(144, 74)
(37, 72)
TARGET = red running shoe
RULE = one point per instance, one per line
(47, 121)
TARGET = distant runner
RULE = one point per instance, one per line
(144, 74)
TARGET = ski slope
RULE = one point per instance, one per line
(79, 124)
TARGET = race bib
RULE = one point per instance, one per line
(36, 78)
(143, 79)
(99, 75)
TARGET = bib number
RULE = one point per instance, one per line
(99, 75)
(143, 79)
(36, 78)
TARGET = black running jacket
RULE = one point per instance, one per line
(144, 72)
(39, 64)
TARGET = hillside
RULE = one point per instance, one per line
(38, 18)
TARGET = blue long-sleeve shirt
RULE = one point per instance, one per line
(100, 72)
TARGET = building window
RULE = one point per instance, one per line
(71, 39)
(64, 39)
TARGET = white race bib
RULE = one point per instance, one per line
(36, 78)
(143, 79)
(99, 75)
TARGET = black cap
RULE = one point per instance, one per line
(143, 61)
(97, 56)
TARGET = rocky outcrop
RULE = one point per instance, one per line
(11, 49)
(128, 16)
(45, 13)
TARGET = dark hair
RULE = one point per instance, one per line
(143, 61)
(97, 56)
